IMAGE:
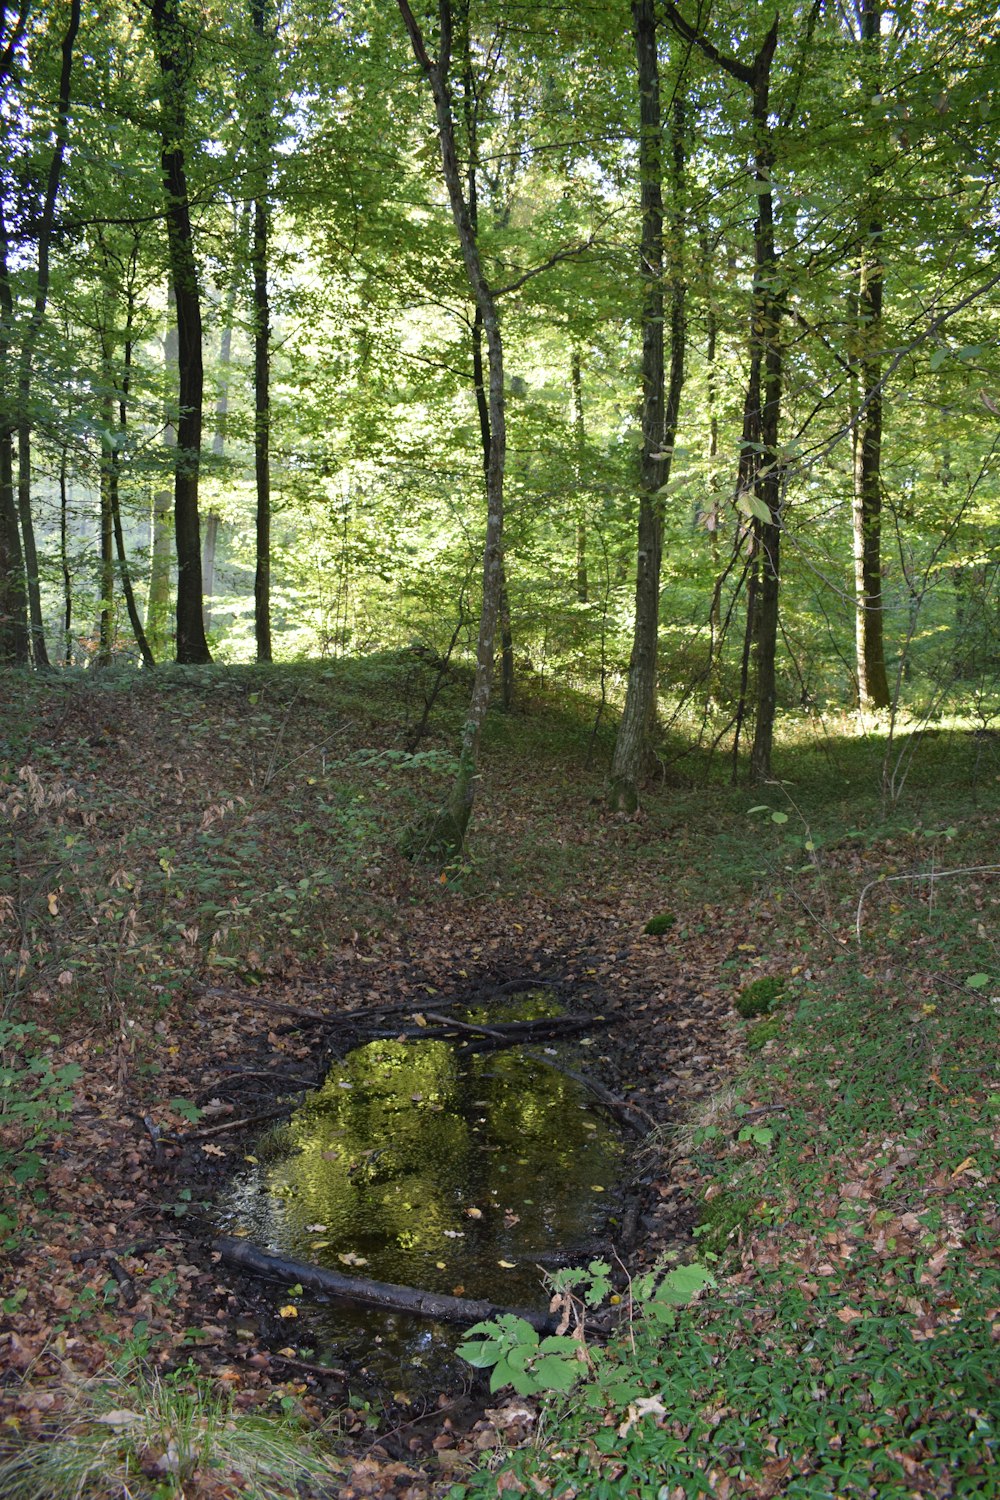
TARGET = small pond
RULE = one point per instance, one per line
(437, 1166)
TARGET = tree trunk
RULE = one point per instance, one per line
(105, 630)
(873, 682)
(29, 341)
(261, 342)
(210, 539)
(114, 459)
(39, 653)
(659, 407)
(64, 555)
(579, 437)
(13, 591)
(161, 540)
(444, 835)
(171, 45)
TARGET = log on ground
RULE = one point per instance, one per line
(366, 1293)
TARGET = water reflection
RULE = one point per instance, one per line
(420, 1164)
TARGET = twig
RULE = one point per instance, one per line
(201, 1135)
(267, 1003)
(924, 875)
(454, 1025)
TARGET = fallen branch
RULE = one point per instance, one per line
(454, 1025)
(209, 1130)
(632, 1116)
(923, 875)
(503, 1034)
(265, 1002)
(360, 1290)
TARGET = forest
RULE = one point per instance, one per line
(499, 499)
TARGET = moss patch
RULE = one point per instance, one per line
(661, 923)
(760, 996)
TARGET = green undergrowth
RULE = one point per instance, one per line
(850, 1213)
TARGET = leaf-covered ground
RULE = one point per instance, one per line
(197, 858)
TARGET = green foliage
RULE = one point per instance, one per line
(519, 1357)
(36, 1097)
(760, 996)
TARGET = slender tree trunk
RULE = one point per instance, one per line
(210, 539)
(712, 516)
(170, 45)
(161, 550)
(13, 589)
(659, 406)
(64, 555)
(873, 682)
(579, 438)
(29, 342)
(760, 471)
(114, 459)
(446, 834)
(262, 344)
(105, 632)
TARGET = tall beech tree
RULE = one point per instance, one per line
(660, 398)
(758, 482)
(873, 682)
(173, 48)
(29, 333)
(445, 833)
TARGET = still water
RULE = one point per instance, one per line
(434, 1166)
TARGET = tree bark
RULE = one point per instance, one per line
(262, 340)
(191, 645)
(579, 438)
(444, 835)
(161, 550)
(13, 589)
(873, 682)
(367, 1293)
(659, 406)
(29, 341)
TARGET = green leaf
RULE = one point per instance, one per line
(779, 817)
(481, 1353)
(977, 981)
(557, 1374)
(938, 357)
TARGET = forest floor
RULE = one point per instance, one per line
(206, 886)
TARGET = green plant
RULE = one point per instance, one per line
(760, 996)
(35, 1098)
(520, 1358)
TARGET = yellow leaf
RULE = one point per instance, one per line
(508, 1265)
(53, 904)
(474, 1213)
(963, 1166)
(289, 1311)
